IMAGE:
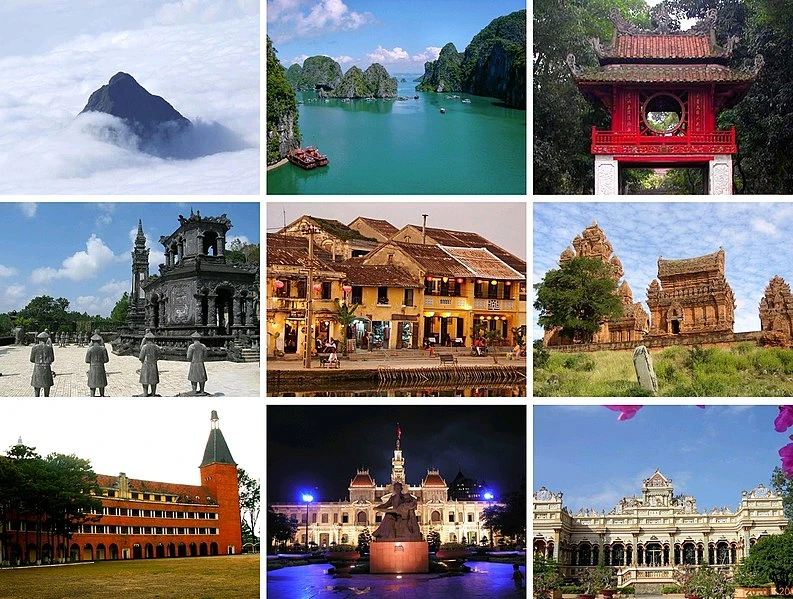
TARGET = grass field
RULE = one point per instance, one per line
(222, 577)
(744, 370)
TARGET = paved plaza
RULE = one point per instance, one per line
(226, 379)
(486, 581)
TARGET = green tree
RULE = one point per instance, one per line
(433, 539)
(772, 557)
(783, 485)
(546, 577)
(280, 104)
(5, 324)
(250, 493)
(364, 540)
(46, 312)
(279, 528)
(508, 518)
(577, 298)
(344, 316)
(242, 253)
(119, 312)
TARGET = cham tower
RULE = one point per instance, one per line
(691, 296)
(776, 313)
(634, 322)
(663, 90)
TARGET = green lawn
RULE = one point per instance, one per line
(743, 370)
(222, 577)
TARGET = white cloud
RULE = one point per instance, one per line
(388, 56)
(13, 297)
(288, 20)
(241, 238)
(93, 304)
(212, 78)
(344, 59)
(79, 266)
(7, 271)
(430, 53)
(115, 288)
(298, 60)
(204, 11)
(765, 227)
(28, 209)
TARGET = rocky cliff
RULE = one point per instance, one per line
(493, 65)
(293, 74)
(282, 132)
(375, 82)
(495, 61)
(319, 72)
(443, 74)
(149, 116)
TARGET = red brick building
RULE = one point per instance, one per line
(147, 519)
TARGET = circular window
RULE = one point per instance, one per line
(663, 113)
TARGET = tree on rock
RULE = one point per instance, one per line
(577, 298)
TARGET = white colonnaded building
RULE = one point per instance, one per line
(646, 538)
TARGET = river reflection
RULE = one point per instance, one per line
(432, 391)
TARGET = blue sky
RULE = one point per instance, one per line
(711, 454)
(754, 236)
(400, 34)
(81, 251)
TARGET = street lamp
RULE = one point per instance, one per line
(489, 498)
(308, 498)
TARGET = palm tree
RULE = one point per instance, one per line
(344, 316)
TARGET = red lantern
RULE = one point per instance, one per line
(317, 287)
(347, 288)
(278, 284)
(429, 278)
(479, 281)
(460, 281)
(508, 283)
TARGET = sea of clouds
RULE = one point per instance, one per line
(208, 71)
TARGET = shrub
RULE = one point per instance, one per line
(453, 547)
(540, 355)
(546, 576)
(697, 355)
(745, 576)
(341, 548)
(571, 589)
(628, 590)
(579, 362)
(671, 589)
(768, 361)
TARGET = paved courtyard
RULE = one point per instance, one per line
(486, 581)
(227, 379)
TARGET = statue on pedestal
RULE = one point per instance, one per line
(399, 520)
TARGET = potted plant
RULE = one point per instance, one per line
(710, 583)
(453, 555)
(342, 557)
(683, 576)
(604, 581)
(588, 581)
(749, 583)
(547, 578)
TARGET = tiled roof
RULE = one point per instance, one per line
(483, 263)
(663, 73)
(434, 260)
(377, 275)
(362, 479)
(188, 492)
(381, 226)
(339, 229)
(707, 263)
(473, 240)
(286, 250)
(217, 450)
(663, 46)
(433, 479)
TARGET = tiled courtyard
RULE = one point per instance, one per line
(227, 379)
(486, 581)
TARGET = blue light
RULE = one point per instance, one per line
(488, 495)
(308, 498)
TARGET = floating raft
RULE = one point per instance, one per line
(451, 374)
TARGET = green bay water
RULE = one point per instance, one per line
(408, 146)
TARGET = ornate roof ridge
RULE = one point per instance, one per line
(712, 261)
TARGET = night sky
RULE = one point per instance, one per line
(318, 448)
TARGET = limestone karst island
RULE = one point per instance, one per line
(342, 123)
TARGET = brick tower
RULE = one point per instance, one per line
(219, 476)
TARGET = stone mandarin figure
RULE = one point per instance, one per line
(42, 355)
(97, 357)
(149, 372)
(196, 353)
(399, 520)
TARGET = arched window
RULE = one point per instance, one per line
(361, 518)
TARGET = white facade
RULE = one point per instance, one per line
(645, 537)
(342, 521)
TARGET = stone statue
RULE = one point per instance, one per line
(196, 353)
(399, 522)
(96, 334)
(19, 335)
(97, 357)
(149, 373)
(143, 339)
(42, 356)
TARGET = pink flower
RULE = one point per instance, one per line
(784, 419)
(626, 412)
(786, 453)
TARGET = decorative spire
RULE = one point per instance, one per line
(140, 239)
(19, 441)
(216, 451)
(399, 435)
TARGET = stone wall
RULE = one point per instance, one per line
(707, 340)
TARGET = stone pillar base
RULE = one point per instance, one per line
(607, 181)
(399, 557)
(720, 175)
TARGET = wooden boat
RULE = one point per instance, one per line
(466, 101)
(308, 158)
(443, 111)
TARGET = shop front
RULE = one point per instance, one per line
(445, 328)
(492, 323)
(407, 331)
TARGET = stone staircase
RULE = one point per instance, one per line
(250, 354)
